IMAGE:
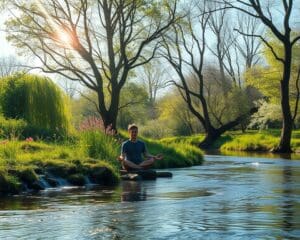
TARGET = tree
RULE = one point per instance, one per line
(8, 66)
(97, 43)
(153, 78)
(38, 101)
(268, 116)
(283, 33)
(133, 105)
(234, 53)
(185, 51)
(266, 78)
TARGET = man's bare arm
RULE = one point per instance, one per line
(156, 157)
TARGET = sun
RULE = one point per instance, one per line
(64, 38)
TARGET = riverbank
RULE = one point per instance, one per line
(34, 166)
(91, 158)
(251, 140)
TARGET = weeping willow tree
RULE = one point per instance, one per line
(38, 101)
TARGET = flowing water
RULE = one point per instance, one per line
(225, 198)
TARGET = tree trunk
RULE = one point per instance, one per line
(286, 131)
(109, 117)
(212, 134)
(287, 124)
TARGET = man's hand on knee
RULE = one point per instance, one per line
(158, 157)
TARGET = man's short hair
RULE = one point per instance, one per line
(132, 126)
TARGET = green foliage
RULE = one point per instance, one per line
(98, 145)
(174, 118)
(9, 183)
(133, 105)
(38, 101)
(82, 108)
(238, 102)
(251, 142)
(11, 128)
(192, 140)
(156, 129)
(267, 78)
(178, 154)
(20, 161)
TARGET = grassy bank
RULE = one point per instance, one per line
(90, 155)
(23, 163)
(257, 141)
(238, 141)
(176, 153)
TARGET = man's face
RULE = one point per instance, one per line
(133, 133)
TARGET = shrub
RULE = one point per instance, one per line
(11, 128)
(9, 183)
(38, 101)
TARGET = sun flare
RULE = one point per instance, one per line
(64, 38)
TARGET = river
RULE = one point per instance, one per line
(228, 197)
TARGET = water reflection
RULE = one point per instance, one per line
(133, 191)
(225, 198)
(270, 155)
(288, 203)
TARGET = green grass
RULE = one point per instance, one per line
(97, 145)
(251, 140)
(258, 140)
(192, 140)
(23, 161)
(87, 155)
(177, 153)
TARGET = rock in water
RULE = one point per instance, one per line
(164, 174)
(143, 174)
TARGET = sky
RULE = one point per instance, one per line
(5, 48)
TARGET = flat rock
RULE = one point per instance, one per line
(131, 177)
(144, 174)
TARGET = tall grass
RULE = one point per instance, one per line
(176, 153)
(8, 153)
(98, 145)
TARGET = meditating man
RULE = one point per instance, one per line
(132, 151)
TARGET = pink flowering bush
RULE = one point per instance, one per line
(97, 141)
(95, 123)
(29, 139)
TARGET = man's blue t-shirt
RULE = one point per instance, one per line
(133, 151)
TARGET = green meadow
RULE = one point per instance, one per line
(251, 140)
